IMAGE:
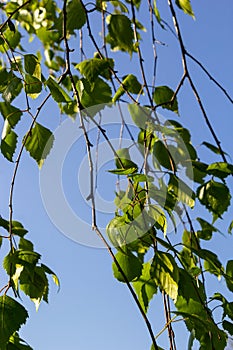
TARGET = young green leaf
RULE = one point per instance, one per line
(129, 263)
(39, 143)
(163, 96)
(185, 5)
(13, 316)
(120, 34)
(230, 228)
(145, 287)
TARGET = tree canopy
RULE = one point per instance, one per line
(98, 64)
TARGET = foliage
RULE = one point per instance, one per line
(144, 208)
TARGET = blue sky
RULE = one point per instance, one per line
(92, 309)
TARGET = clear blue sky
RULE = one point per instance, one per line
(93, 310)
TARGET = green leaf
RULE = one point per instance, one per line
(129, 263)
(145, 287)
(123, 160)
(25, 244)
(127, 171)
(181, 191)
(39, 143)
(16, 343)
(163, 95)
(13, 89)
(140, 115)
(206, 229)
(13, 39)
(34, 283)
(213, 148)
(50, 272)
(11, 113)
(8, 145)
(131, 84)
(58, 94)
(220, 169)
(99, 92)
(33, 86)
(185, 5)
(230, 228)
(32, 66)
(165, 272)
(17, 227)
(76, 16)
(121, 33)
(229, 275)
(162, 156)
(215, 196)
(157, 14)
(94, 67)
(13, 316)
(158, 218)
(228, 326)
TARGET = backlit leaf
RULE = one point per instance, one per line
(145, 287)
(129, 263)
(39, 142)
(185, 5)
(131, 84)
(165, 272)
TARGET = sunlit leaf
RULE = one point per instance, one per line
(165, 272)
(16, 343)
(145, 287)
(39, 142)
(129, 263)
(131, 84)
(185, 5)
